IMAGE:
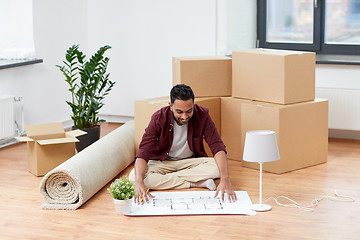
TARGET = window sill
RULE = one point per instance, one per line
(7, 63)
(337, 59)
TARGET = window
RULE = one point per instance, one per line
(322, 26)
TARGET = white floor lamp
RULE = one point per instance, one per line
(261, 146)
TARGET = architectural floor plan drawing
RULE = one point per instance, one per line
(191, 203)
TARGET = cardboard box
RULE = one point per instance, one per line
(207, 76)
(231, 125)
(48, 146)
(301, 131)
(144, 109)
(277, 76)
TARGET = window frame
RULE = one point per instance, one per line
(318, 45)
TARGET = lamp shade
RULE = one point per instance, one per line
(261, 146)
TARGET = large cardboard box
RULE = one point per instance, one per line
(48, 146)
(144, 109)
(277, 76)
(207, 76)
(231, 125)
(301, 131)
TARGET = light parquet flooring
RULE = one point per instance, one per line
(21, 216)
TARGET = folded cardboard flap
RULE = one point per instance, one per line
(43, 130)
(24, 139)
(46, 136)
(57, 140)
(75, 133)
(51, 133)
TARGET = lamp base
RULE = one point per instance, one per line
(261, 207)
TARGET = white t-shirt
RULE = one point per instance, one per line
(180, 148)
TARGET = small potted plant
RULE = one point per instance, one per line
(89, 84)
(122, 191)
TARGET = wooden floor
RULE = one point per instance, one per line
(21, 216)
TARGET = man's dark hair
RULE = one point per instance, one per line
(181, 92)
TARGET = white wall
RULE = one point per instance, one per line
(145, 35)
(57, 25)
(337, 76)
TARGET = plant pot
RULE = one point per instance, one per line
(121, 205)
(93, 134)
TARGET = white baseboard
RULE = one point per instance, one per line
(8, 142)
(115, 118)
(67, 124)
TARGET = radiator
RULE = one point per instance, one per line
(344, 107)
(7, 117)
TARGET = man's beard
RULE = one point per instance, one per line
(181, 121)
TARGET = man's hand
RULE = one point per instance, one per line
(141, 191)
(225, 184)
(225, 187)
(140, 188)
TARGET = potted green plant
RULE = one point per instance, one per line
(122, 191)
(89, 84)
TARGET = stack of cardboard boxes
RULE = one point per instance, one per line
(258, 89)
(280, 86)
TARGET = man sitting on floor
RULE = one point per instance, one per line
(171, 154)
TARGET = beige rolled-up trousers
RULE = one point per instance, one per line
(178, 174)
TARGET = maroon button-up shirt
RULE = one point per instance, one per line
(157, 139)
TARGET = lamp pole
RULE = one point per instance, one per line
(260, 197)
(261, 207)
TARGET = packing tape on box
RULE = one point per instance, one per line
(75, 181)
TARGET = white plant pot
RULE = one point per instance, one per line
(121, 205)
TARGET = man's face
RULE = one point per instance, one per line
(182, 110)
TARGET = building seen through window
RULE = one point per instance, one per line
(324, 26)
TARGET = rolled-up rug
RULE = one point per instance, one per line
(75, 181)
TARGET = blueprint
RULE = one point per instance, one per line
(191, 203)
